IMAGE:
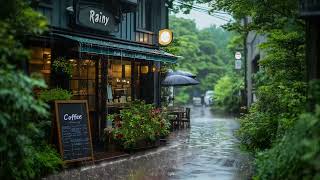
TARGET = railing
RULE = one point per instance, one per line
(310, 7)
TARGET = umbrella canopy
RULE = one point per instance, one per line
(179, 80)
(183, 73)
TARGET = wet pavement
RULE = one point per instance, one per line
(209, 150)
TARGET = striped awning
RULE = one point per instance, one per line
(95, 46)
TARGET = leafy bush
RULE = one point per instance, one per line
(140, 122)
(296, 155)
(226, 93)
(39, 161)
(23, 152)
(258, 130)
(21, 123)
(55, 94)
(281, 92)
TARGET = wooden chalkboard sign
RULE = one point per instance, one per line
(74, 133)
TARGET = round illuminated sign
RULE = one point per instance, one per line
(165, 37)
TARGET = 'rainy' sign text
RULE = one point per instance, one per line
(93, 17)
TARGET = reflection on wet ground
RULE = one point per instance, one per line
(208, 150)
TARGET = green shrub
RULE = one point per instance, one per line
(280, 89)
(55, 94)
(269, 118)
(23, 153)
(226, 93)
(257, 130)
(296, 155)
(22, 122)
(140, 122)
(39, 161)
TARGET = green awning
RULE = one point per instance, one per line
(100, 47)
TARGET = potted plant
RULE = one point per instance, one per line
(140, 127)
(62, 67)
(109, 143)
(49, 96)
(62, 70)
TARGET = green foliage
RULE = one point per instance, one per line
(23, 152)
(140, 122)
(226, 93)
(204, 53)
(258, 130)
(296, 155)
(281, 92)
(181, 98)
(62, 65)
(40, 161)
(289, 145)
(265, 15)
(21, 123)
(55, 94)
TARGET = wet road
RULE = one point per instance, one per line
(208, 150)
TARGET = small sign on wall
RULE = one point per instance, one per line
(238, 64)
(74, 132)
(238, 55)
(165, 37)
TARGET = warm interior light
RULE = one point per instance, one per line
(144, 69)
(145, 39)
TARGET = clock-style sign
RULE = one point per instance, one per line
(165, 37)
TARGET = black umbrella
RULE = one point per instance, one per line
(179, 80)
(183, 73)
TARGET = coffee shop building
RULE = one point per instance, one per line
(113, 47)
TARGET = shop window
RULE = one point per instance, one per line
(40, 62)
(83, 81)
(119, 85)
(144, 69)
(144, 15)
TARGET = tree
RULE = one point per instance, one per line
(23, 152)
(272, 129)
(200, 53)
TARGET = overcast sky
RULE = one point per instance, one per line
(202, 19)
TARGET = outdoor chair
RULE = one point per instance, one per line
(185, 120)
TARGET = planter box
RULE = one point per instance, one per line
(143, 145)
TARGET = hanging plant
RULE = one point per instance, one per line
(62, 65)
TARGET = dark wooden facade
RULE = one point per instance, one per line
(132, 24)
(138, 24)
